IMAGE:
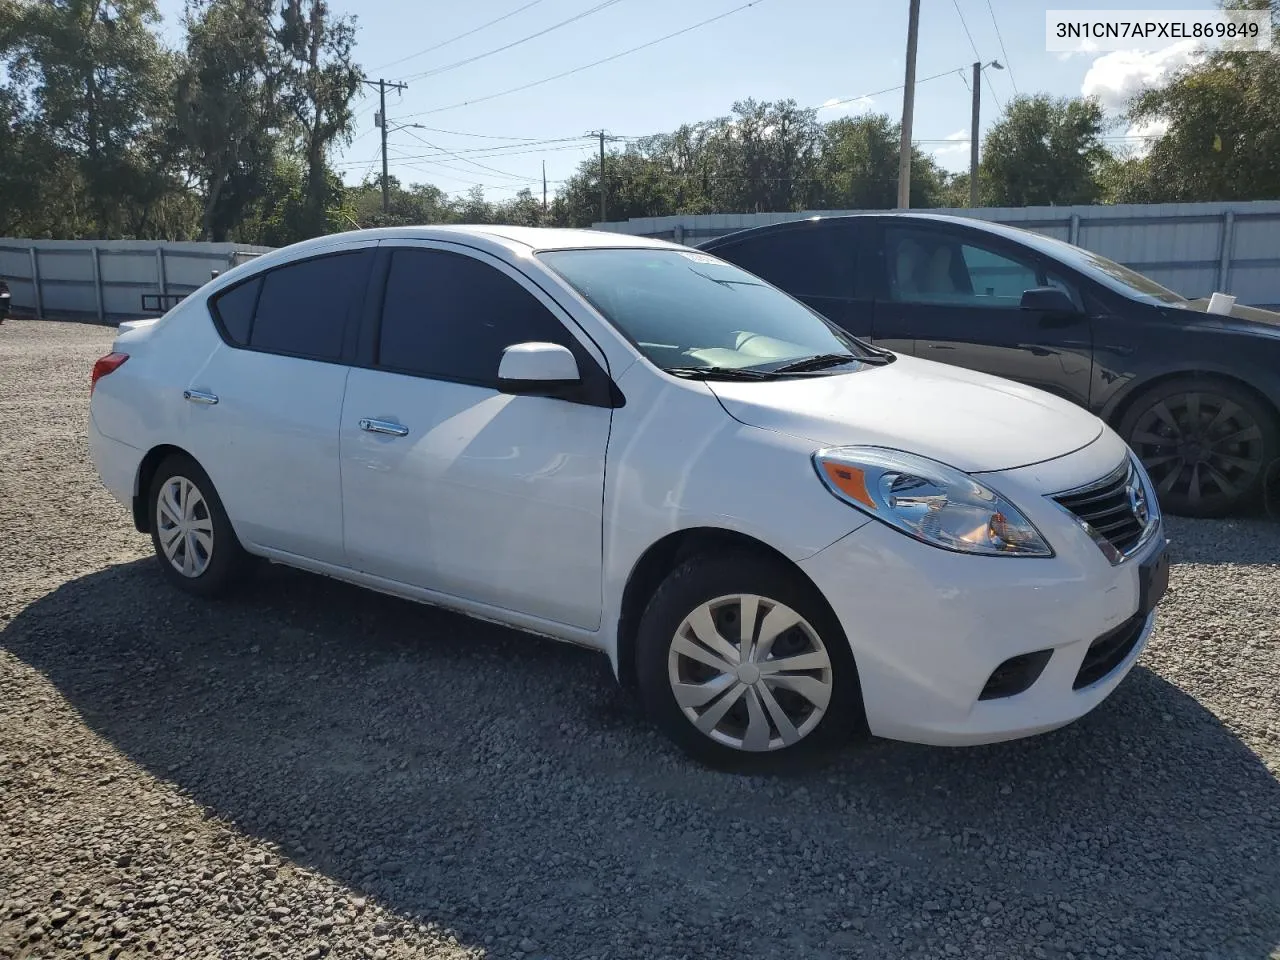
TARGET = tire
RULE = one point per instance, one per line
(1207, 443)
(217, 561)
(711, 588)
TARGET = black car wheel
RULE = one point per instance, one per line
(1206, 443)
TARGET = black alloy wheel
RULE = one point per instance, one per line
(1206, 444)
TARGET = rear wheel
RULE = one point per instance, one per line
(194, 542)
(1206, 443)
(744, 666)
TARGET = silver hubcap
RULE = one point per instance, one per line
(750, 673)
(184, 526)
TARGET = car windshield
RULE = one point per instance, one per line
(1114, 275)
(688, 310)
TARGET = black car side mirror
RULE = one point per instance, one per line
(1050, 301)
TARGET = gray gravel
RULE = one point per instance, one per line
(312, 770)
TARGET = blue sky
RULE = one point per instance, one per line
(811, 50)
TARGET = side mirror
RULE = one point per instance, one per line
(1050, 301)
(538, 369)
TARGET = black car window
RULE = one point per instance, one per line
(807, 260)
(234, 310)
(450, 316)
(303, 306)
(938, 267)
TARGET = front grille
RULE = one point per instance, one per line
(1108, 652)
(1108, 507)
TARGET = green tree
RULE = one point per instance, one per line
(98, 78)
(319, 82)
(228, 117)
(858, 167)
(1044, 150)
(1222, 139)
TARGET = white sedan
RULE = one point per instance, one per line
(780, 534)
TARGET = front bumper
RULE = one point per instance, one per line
(929, 629)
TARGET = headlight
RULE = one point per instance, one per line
(929, 501)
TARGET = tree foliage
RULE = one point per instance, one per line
(105, 132)
(1043, 151)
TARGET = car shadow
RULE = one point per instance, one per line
(433, 762)
(1244, 540)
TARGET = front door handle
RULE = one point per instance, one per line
(384, 426)
(200, 396)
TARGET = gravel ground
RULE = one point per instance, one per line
(312, 770)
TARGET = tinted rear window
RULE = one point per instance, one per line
(234, 310)
(304, 306)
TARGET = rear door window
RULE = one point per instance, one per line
(300, 309)
(304, 306)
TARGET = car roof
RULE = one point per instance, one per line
(498, 239)
(529, 238)
(799, 223)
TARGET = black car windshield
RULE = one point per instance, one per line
(688, 310)
(1111, 274)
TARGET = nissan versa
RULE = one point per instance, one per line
(781, 535)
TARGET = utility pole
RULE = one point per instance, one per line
(544, 188)
(381, 121)
(908, 108)
(973, 137)
(603, 217)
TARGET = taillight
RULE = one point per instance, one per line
(104, 365)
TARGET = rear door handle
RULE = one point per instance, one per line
(384, 426)
(199, 396)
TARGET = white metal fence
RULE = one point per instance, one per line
(1193, 248)
(109, 280)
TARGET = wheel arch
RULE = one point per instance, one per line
(1115, 411)
(142, 482)
(663, 556)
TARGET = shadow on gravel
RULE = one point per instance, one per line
(1244, 540)
(500, 786)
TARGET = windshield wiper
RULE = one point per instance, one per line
(726, 283)
(721, 373)
(819, 362)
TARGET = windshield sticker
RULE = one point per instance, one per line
(701, 258)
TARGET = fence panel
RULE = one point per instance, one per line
(109, 280)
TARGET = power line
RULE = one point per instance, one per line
(514, 43)
(445, 43)
(1003, 51)
(488, 136)
(974, 46)
(474, 163)
(429, 156)
(878, 93)
(587, 66)
(960, 14)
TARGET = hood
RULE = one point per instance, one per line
(1269, 319)
(972, 421)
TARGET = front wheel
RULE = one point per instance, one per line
(1206, 443)
(742, 663)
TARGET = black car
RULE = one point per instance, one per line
(1195, 394)
(4, 300)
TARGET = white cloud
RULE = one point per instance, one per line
(1087, 46)
(1115, 77)
(959, 146)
